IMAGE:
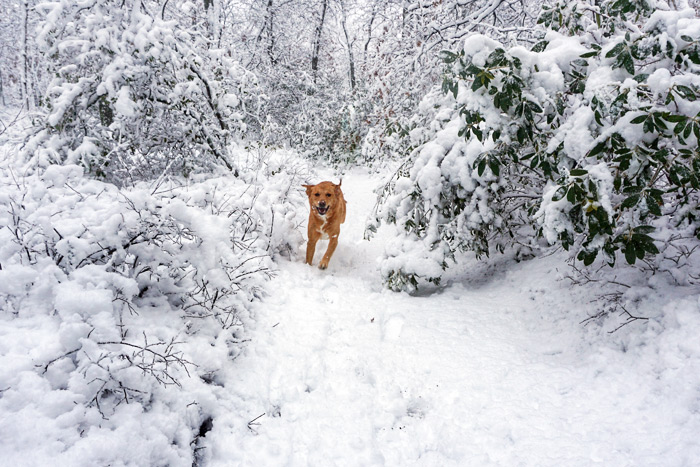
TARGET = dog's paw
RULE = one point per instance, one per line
(323, 265)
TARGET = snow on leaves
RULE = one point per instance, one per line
(589, 139)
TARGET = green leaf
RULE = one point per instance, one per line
(578, 172)
(688, 129)
(630, 254)
(630, 201)
(642, 238)
(653, 206)
(479, 134)
(534, 162)
(539, 47)
(482, 166)
(559, 194)
(639, 119)
(674, 118)
(534, 107)
(628, 63)
(686, 92)
(679, 127)
(589, 54)
(587, 256)
(651, 248)
(687, 38)
(497, 57)
(448, 57)
(644, 229)
(494, 166)
(615, 50)
(658, 122)
(571, 194)
(546, 168)
(598, 118)
(597, 149)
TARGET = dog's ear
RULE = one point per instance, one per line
(308, 188)
(337, 187)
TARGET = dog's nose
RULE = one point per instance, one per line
(322, 203)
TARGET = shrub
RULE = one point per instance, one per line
(134, 94)
(589, 139)
(145, 292)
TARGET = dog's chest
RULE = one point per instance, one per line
(321, 228)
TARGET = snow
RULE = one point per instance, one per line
(575, 134)
(173, 322)
(124, 105)
(493, 369)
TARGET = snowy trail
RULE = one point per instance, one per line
(485, 372)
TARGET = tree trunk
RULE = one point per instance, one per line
(351, 57)
(25, 56)
(317, 41)
(369, 32)
(270, 31)
(2, 92)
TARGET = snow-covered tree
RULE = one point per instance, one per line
(400, 59)
(135, 91)
(22, 71)
(588, 139)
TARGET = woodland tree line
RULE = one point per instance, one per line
(320, 74)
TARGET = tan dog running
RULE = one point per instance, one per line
(327, 213)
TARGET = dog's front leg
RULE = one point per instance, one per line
(332, 243)
(311, 249)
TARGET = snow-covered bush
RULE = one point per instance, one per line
(398, 136)
(144, 293)
(135, 92)
(320, 120)
(589, 139)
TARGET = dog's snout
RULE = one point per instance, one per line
(322, 203)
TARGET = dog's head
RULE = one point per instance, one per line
(324, 196)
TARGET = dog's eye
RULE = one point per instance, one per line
(317, 194)
(328, 195)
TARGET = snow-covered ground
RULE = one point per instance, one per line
(493, 369)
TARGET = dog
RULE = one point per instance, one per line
(327, 213)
